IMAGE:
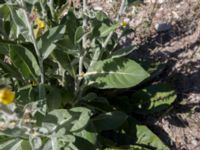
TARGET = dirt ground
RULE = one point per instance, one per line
(182, 53)
(179, 48)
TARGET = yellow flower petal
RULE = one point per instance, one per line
(124, 24)
(6, 96)
(41, 24)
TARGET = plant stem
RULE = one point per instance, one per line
(39, 55)
(97, 54)
(121, 9)
(120, 12)
(82, 51)
(78, 88)
(52, 9)
(44, 14)
(84, 40)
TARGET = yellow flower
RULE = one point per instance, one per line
(6, 96)
(40, 24)
(125, 22)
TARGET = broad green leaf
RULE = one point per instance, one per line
(153, 98)
(153, 68)
(8, 69)
(39, 108)
(115, 73)
(3, 32)
(134, 133)
(25, 61)
(56, 120)
(36, 142)
(19, 22)
(100, 16)
(67, 48)
(58, 116)
(147, 137)
(82, 120)
(89, 134)
(31, 2)
(73, 120)
(109, 120)
(46, 43)
(5, 81)
(97, 103)
(82, 144)
(4, 138)
(4, 49)
(105, 30)
(14, 133)
(4, 14)
(65, 62)
(123, 52)
(15, 144)
(78, 35)
(53, 12)
(54, 99)
(72, 23)
(67, 137)
(128, 147)
(24, 96)
(47, 145)
(66, 44)
(63, 142)
(4, 11)
(25, 145)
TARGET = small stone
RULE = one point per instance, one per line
(134, 10)
(163, 27)
(175, 15)
(154, 1)
(98, 8)
(194, 142)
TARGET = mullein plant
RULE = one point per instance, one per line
(67, 71)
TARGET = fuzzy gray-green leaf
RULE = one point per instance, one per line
(115, 73)
(25, 61)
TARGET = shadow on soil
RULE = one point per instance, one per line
(181, 70)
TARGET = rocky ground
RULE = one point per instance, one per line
(179, 47)
(169, 31)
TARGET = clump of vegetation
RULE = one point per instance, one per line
(67, 71)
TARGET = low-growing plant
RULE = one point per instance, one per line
(67, 70)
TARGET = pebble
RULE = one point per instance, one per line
(194, 142)
(154, 1)
(163, 27)
(98, 8)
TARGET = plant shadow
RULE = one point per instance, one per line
(179, 53)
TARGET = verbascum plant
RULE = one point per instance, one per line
(68, 72)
